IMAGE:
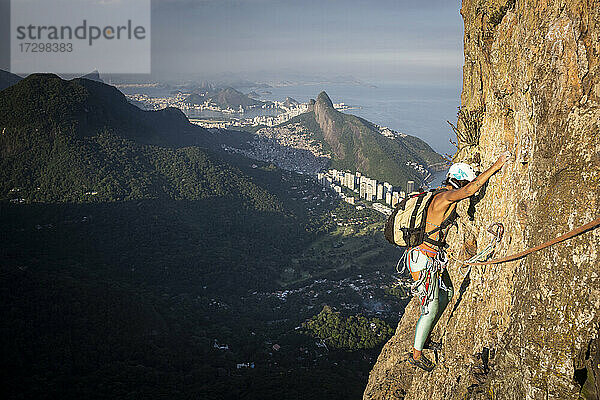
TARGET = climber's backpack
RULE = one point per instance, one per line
(406, 225)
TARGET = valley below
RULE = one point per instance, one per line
(142, 258)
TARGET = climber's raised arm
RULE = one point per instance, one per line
(464, 189)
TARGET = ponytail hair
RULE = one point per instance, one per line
(455, 183)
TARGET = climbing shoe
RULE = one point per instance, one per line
(431, 345)
(423, 362)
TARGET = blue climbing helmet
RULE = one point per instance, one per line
(459, 175)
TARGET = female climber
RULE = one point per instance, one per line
(427, 261)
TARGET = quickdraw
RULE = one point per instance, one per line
(572, 233)
(497, 231)
(423, 287)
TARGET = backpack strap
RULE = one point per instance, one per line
(420, 234)
(445, 223)
(439, 243)
(413, 217)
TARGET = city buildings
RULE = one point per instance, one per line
(380, 191)
(395, 199)
(180, 100)
(347, 184)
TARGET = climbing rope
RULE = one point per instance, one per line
(578, 231)
(497, 231)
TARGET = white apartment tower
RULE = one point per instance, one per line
(380, 192)
(395, 199)
(410, 187)
(388, 198)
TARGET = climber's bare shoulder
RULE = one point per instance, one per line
(440, 207)
(444, 200)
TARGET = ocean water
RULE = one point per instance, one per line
(415, 109)
(438, 177)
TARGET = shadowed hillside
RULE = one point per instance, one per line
(127, 253)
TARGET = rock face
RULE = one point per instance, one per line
(326, 115)
(527, 329)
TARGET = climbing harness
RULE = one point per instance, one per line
(404, 261)
(429, 275)
(423, 287)
(575, 232)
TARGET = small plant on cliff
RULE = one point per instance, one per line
(468, 126)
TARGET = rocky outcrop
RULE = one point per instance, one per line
(290, 102)
(359, 145)
(527, 329)
(326, 117)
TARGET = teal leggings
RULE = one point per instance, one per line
(433, 311)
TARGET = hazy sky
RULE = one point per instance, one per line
(388, 40)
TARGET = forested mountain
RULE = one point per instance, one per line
(81, 140)
(44, 104)
(358, 145)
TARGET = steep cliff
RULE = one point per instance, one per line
(527, 329)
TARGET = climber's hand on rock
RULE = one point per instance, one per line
(504, 157)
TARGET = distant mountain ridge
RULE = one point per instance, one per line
(225, 98)
(93, 76)
(290, 102)
(357, 145)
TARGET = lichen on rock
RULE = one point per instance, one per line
(526, 329)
